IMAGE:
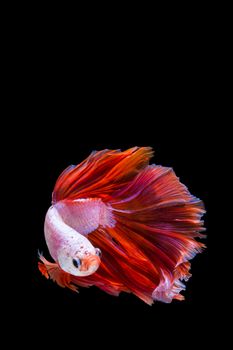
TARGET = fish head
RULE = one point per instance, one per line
(78, 261)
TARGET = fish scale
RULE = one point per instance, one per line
(85, 215)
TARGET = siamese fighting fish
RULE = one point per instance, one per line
(122, 225)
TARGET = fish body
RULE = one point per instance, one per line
(67, 223)
(123, 225)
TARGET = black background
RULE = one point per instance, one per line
(168, 104)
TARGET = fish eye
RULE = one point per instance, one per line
(98, 252)
(77, 263)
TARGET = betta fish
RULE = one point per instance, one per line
(122, 225)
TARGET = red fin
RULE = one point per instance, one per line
(101, 173)
(43, 270)
(53, 271)
(147, 252)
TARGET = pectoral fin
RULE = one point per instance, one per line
(53, 271)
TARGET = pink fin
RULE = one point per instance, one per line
(85, 215)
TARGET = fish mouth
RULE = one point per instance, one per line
(89, 265)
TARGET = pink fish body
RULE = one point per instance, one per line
(67, 224)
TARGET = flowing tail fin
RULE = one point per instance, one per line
(154, 238)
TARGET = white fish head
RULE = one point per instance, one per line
(80, 259)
